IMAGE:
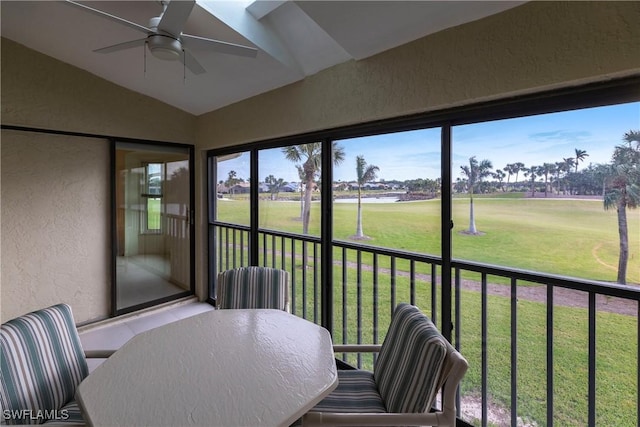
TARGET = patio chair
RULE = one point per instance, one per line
(42, 364)
(415, 362)
(253, 287)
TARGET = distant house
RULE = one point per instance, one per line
(291, 187)
(241, 188)
(376, 186)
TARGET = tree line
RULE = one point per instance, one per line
(618, 182)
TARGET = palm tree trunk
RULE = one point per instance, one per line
(306, 213)
(359, 219)
(472, 219)
(624, 242)
(301, 202)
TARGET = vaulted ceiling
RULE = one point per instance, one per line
(294, 39)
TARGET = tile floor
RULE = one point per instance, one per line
(144, 278)
(112, 334)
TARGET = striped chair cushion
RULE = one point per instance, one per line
(253, 287)
(410, 361)
(69, 415)
(356, 392)
(42, 363)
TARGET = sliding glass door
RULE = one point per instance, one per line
(153, 224)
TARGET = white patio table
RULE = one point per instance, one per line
(220, 368)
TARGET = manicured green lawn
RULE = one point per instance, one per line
(568, 237)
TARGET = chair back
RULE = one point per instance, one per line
(408, 370)
(42, 363)
(253, 287)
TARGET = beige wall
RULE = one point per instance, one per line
(55, 228)
(55, 189)
(538, 45)
(39, 91)
(534, 46)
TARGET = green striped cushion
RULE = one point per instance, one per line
(253, 287)
(70, 414)
(42, 363)
(356, 392)
(410, 361)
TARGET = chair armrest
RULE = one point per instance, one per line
(313, 419)
(356, 348)
(98, 354)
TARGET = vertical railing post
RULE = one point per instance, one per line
(359, 303)
(484, 300)
(550, 355)
(304, 279)
(592, 359)
(345, 330)
(514, 352)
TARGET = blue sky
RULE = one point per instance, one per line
(533, 140)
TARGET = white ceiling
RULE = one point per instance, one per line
(294, 39)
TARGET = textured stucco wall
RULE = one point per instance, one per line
(55, 229)
(534, 46)
(55, 190)
(42, 92)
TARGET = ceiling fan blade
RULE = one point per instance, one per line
(175, 16)
(195, 42)
(191, 63)
(113, 18)
(121, 46)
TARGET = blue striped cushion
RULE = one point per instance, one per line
(253, 287)
(356, 392)
(410, 361)
(42, 362)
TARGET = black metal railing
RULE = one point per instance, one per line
(508, 323)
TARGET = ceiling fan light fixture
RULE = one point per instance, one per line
(165, 47)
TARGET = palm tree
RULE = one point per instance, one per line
(601, 174)
(365, 173)
(275, 185)
(517, 167)
(623, 191)
(499, 176)
(475, 172)
(547, 169)
(310, 155)
(569, 163)
(510, 171)
(580, 156)
(533, 172)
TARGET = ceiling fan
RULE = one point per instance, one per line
(164, 36)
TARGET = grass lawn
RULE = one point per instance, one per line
(568, 237)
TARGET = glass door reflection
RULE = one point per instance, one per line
(153, 243)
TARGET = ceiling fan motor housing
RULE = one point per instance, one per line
(164, 47)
